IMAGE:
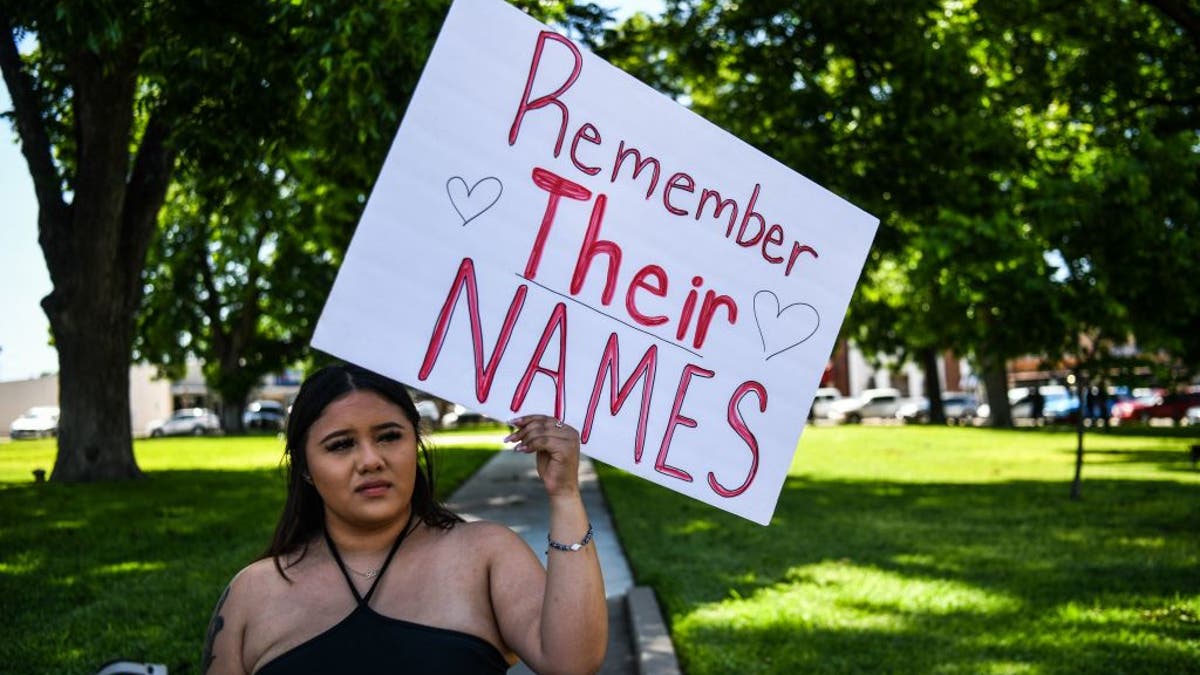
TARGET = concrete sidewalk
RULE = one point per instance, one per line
(507, 490)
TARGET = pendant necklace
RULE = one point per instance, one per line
(369, 574)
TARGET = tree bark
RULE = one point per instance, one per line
(995, 380)
(933, 386)
(94, 432)
(231, 415)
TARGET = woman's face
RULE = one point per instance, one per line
(362, 457)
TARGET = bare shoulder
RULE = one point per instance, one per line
(253, 588)
(491, 541)
(256, 578)
(485, 533)
(479, 539)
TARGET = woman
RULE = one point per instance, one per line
(368, 573)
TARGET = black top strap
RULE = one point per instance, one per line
(391, 554)
(364, 599)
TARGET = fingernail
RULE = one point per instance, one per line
(507, 438)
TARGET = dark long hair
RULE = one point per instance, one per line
(303, 514)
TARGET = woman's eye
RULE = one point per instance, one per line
(340, 444)
(389, 436)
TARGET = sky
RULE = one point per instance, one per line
(24, 330)
(25, 350)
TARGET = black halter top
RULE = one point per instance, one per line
(369, 642)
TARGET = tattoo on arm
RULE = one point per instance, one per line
(214, 626)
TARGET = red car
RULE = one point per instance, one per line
(1144, 409)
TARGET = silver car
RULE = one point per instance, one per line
(871, 403)
(187, 422)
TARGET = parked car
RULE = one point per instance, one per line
(186, 421)
(958, 407)
(430, 415)
(913, 410)
(1172, 406)
(265, 415)
(1020, 404)
(1064, 409)
(1192, 416)
(1061, 409)
(1054, 406)
(37, 422)
(1125, 411)
(883, 402)
(821, 401)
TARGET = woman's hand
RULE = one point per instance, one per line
(557, 448)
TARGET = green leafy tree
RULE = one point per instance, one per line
(1115, 185)
(251, 242)
(112, 99)
(899, 107)
(991, 138)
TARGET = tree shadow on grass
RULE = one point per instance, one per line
(129, 570)
(1173, 460)
(1096, 578)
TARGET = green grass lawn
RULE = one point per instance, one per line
(132, 570)
(899, 550)
(935, 550)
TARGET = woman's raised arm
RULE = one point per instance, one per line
(561, 627)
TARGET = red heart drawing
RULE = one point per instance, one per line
(471, 202)
(783, 328)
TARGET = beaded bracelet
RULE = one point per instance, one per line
(587, 538)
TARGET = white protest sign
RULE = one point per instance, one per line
(549, 235)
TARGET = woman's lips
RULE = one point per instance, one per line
(373, 489)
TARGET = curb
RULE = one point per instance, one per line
(655, 653)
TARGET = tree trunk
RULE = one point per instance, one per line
(94, 434)
(995, 380)
(933, 386)
(231, 415)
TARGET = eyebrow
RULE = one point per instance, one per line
(377, 427)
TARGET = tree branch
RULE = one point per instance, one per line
(212, 300)
(1185, 17)
(147, 188)
(250, 311)
(35, 143)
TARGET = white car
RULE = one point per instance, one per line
(957, 407)
(186, 422)
(428, 411)
(821, 401)
(1192, 416)
(882, 402)
(37, 422)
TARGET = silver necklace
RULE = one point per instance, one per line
(369, 574)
